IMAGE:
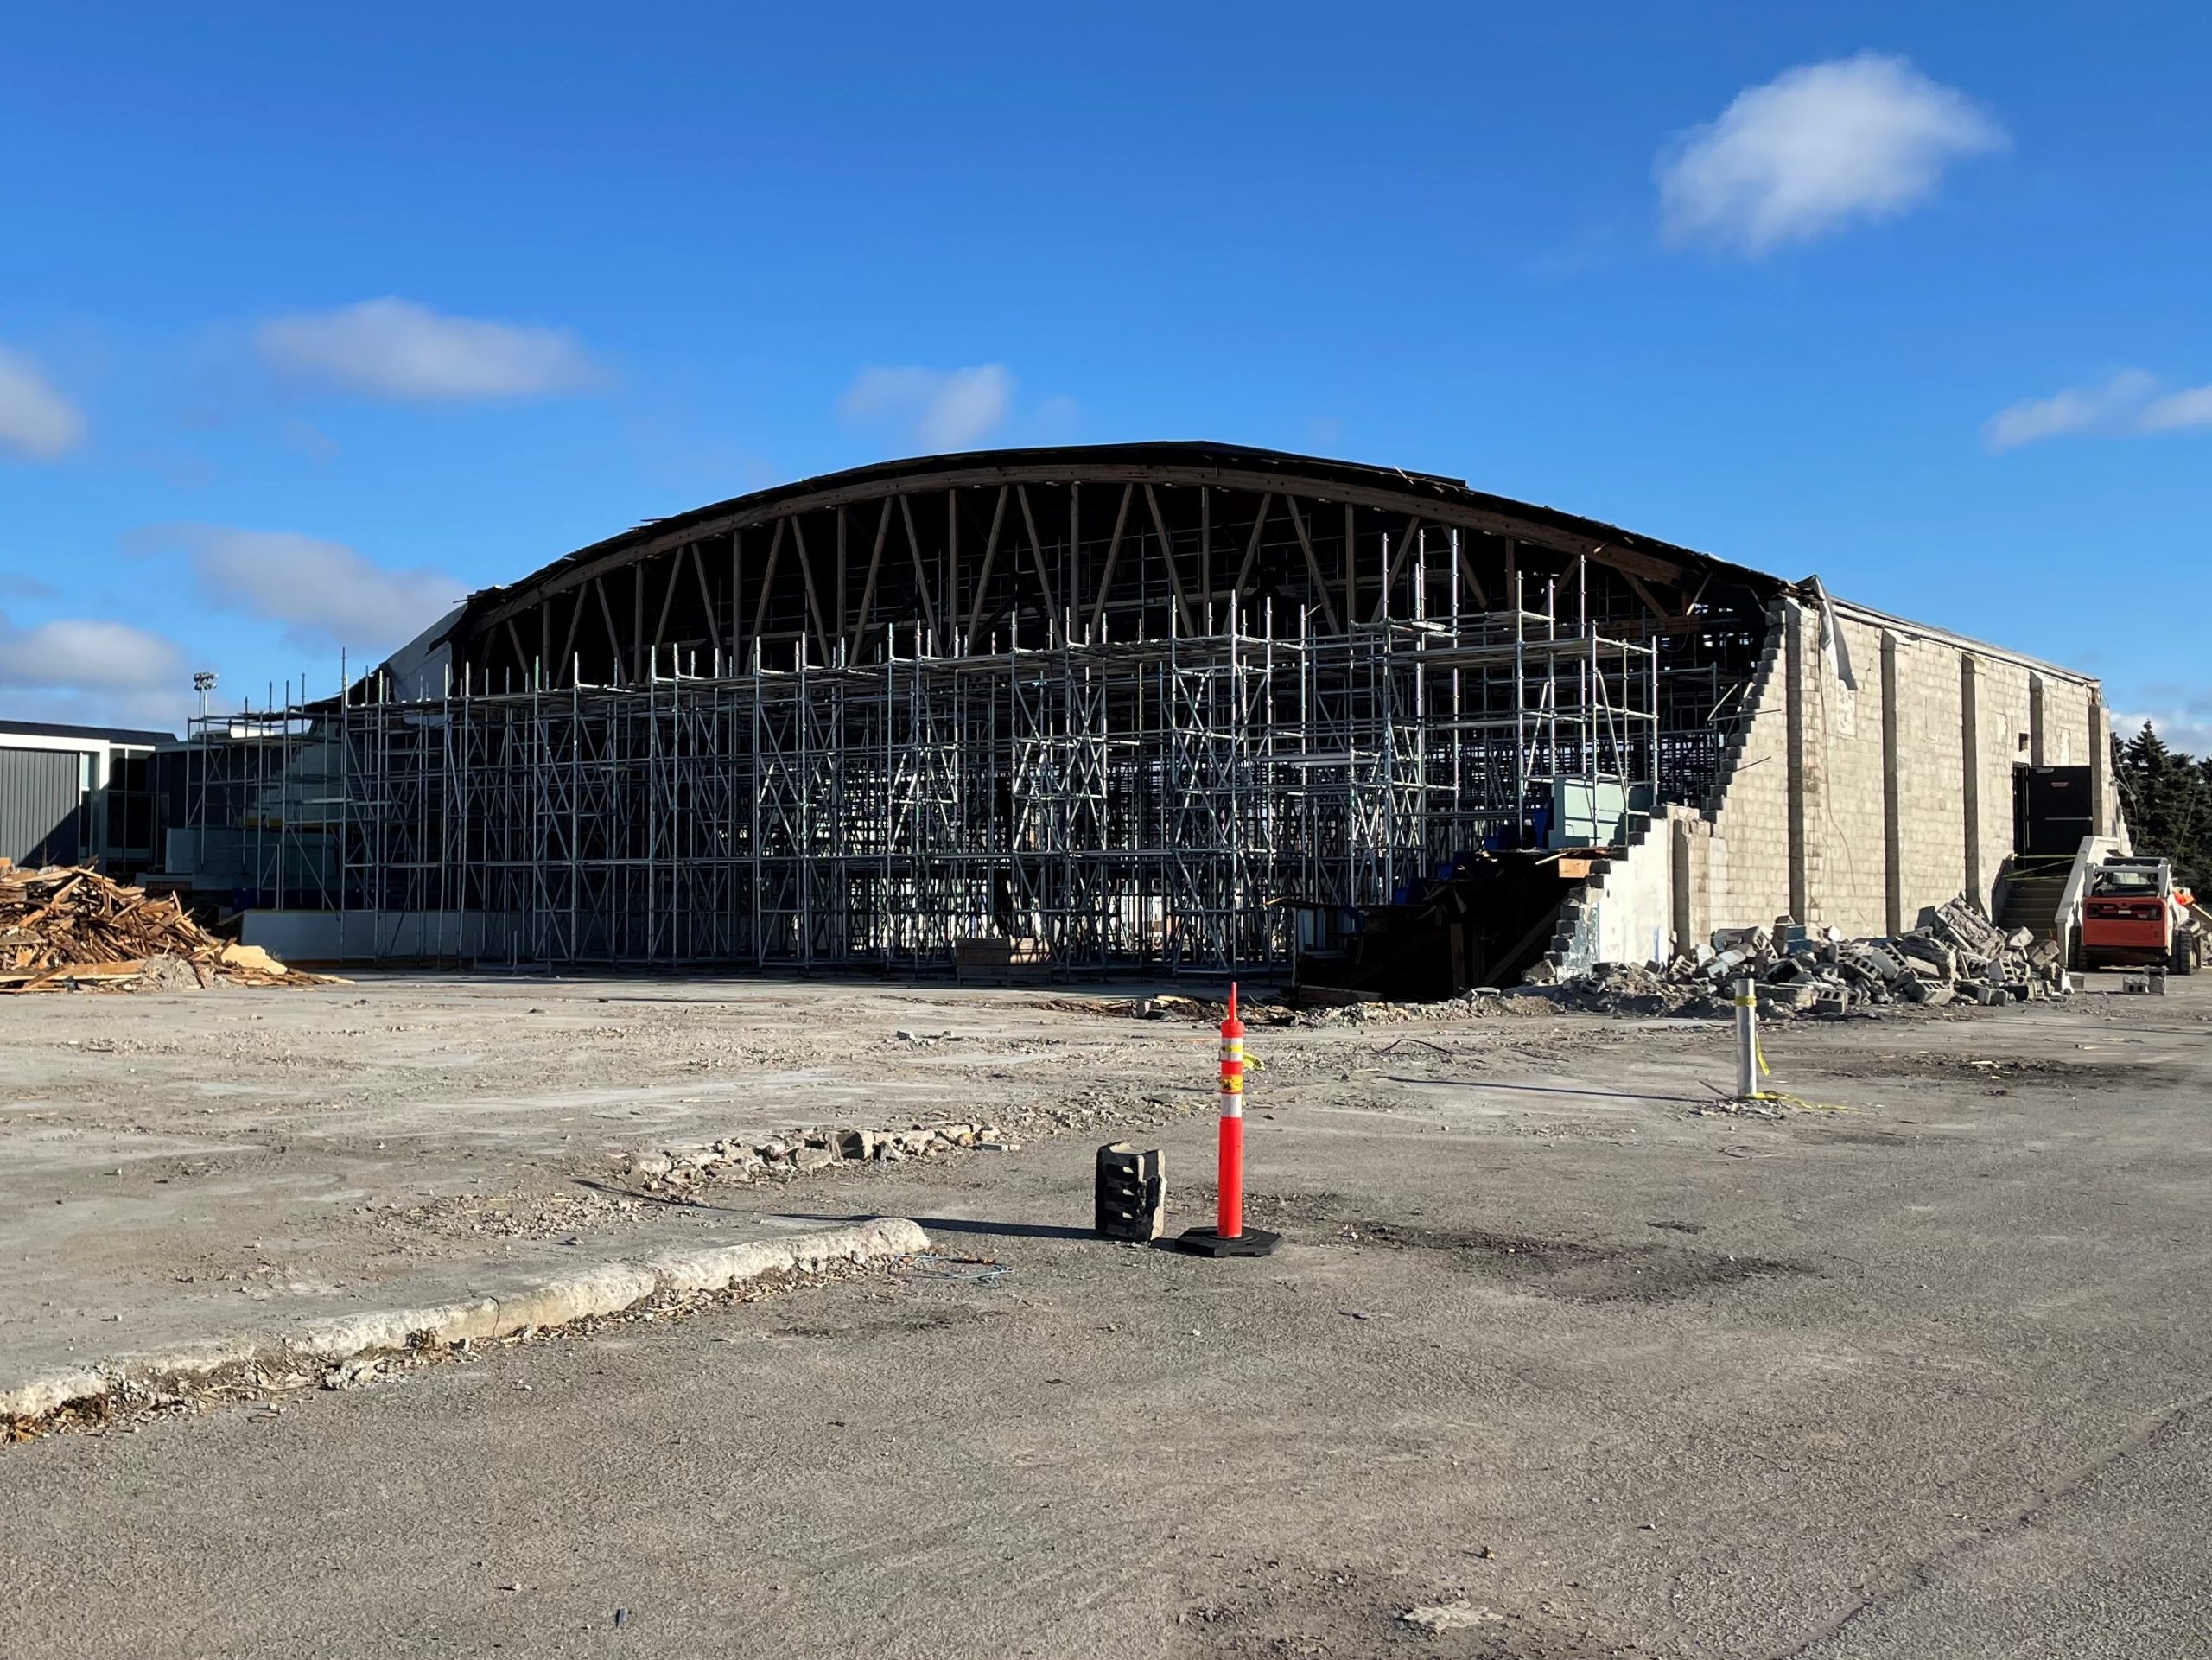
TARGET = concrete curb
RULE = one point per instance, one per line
(604, 1288)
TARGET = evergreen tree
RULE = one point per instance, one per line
(2167, 796)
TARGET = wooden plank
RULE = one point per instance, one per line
(1168, 554)
(667, 604)
(844, 625)
(568, 664)
(1252, 547)
(867, 589)
(768, 577)
(1205, 551)
(951, 566)
(637, 615)
(1624, 559)
(1313, 566)
(1467, 571)
(983, 579)
(707, 600)
(1352, 561)
(1636, 586)
(1037, 548)
(813, 600)
(1113, 554)
(736, 597)
(921, 575)
(1406, 541)
(613, 634)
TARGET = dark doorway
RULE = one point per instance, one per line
(2052, 809)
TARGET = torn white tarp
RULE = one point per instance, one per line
(1832, 643)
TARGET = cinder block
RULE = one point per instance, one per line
(1130, 1203)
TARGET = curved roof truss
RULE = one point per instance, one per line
(954, 555)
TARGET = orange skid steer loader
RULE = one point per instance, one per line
(2133, 916)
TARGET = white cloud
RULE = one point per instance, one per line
(396, 348)
(2175, 410)
(2189, 729)
(2128, 403)
(164, 708)
(2116, 403)
(1814, 149)
(35, 419)
(941, 408)
(323, 593)
(85, 655)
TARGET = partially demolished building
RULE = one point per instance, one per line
(1172, 704)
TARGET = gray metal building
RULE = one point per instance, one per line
(70, 794)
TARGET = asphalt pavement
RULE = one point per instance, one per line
(1564, 1368)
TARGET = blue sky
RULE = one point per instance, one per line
(310, 324)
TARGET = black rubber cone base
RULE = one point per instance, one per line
(1204, 1241)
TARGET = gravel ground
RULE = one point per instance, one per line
(1556, 1352)
(173, 1166)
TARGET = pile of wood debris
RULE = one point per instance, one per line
(69, 928)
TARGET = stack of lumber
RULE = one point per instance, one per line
(67, 927)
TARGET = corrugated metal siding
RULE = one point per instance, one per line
(41, 793)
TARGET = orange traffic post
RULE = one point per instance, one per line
(1228, 1237)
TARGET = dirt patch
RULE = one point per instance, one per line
(1824, 1135)
(942, 1320)
(1574, 1270)
(2036, 1073)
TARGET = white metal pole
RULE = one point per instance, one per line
(1747, 1040)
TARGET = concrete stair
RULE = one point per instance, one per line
(2029, 889)
(1637, 829)
(1576, 910)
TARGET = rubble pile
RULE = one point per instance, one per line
(67, 927)
(681, 1172)
(799, 1152)
(1635, 989)
(1959, 955)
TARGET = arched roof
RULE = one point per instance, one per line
(1440, 501)
(1102, 543)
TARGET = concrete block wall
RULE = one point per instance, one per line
(1854, 806)
(1891, 797)
(1883, 833)
(1843, 735)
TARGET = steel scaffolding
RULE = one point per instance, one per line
(1155, 802)
(1160, 704)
